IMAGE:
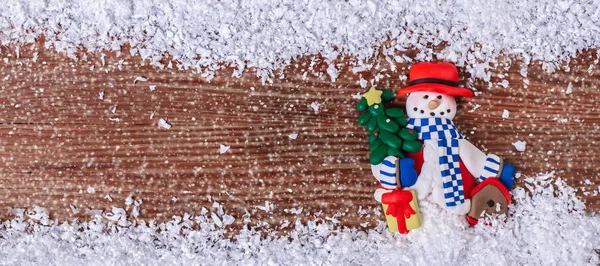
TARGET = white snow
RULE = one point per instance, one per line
(357, 96)
(363, 83)
(162, 123)
(315, 106)
(101, 95)
(91, 190)
(546, 226)
(542, 229)
(223, 149)
(569, 89)
(520, 145)
(152, 87)
(267, 207)
(477, 106)
(293, 136)
(207, 34)
(137, 79)
(505, 114)
(129, 200)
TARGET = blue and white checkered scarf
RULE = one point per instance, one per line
(444, 131)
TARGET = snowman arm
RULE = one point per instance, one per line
(473, 158)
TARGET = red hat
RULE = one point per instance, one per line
(438, 77)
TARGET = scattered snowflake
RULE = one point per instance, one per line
(569, 88)
(357, 96)
(101, 95)
(107, 197)
(315, 106)
(142, 79)
(162, 123)
(228, 219)
(297, 211)
(475, 108)
(363, 82)
(520, 145)
(91, 190)
(152, 87)
(563, 120)
(505, 114)
(293, 135)
(216, 219)
(114, 109)
(267, 207)
(223, 149)
(129, 200)
(333, 72)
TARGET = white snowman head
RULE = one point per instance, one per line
(431, 91)
(425, 104)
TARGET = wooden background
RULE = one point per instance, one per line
(58, 138)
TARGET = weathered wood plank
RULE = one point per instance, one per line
(57, 137)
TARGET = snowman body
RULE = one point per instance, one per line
(430, 184)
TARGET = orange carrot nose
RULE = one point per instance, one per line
(433, 104)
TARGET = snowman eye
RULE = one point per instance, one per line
(415, 108)
(448, 111)
(426, 97)
(439, 97)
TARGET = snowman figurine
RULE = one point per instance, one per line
(449, 170)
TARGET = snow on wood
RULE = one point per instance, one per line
(477, 106)
(520, 145)
(550, 226)
(267, 207)
(569, 89)
(138, 79)
(357, 96)
(129, 200)
(293, 136)
(223, 149)
(505, 114)
(162, 123)
(101, 95)
(315, 106)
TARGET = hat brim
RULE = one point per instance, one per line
(439, 88)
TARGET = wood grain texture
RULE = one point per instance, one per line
(58, 138)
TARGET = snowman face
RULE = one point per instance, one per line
(430, 104)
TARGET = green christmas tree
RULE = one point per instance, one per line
(388, 133)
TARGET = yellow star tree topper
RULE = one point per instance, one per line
(373, 96)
